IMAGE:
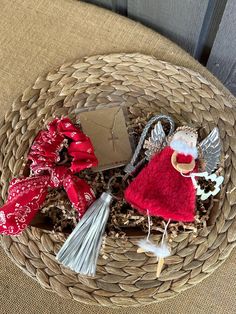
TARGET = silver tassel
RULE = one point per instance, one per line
(81, 249)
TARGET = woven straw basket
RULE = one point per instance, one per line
(142, 84)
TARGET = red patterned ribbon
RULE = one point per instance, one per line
(27, 194)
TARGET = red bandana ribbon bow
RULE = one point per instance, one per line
(27, 194)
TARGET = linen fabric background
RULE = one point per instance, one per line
(39, 35)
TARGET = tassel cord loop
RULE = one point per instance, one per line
(130, 167)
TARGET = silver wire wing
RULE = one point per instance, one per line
(211, 150)
(156, 141)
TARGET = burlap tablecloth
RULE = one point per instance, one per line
(39, 35)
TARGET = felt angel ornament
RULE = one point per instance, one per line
(166, 186)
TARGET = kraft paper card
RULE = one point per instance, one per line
(108, 133)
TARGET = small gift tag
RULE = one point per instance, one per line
(108, 133)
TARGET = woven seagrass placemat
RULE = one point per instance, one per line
(143, 85)
(160, 47)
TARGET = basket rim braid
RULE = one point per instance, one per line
(142, 84)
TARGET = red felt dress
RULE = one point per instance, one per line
(162, 190)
